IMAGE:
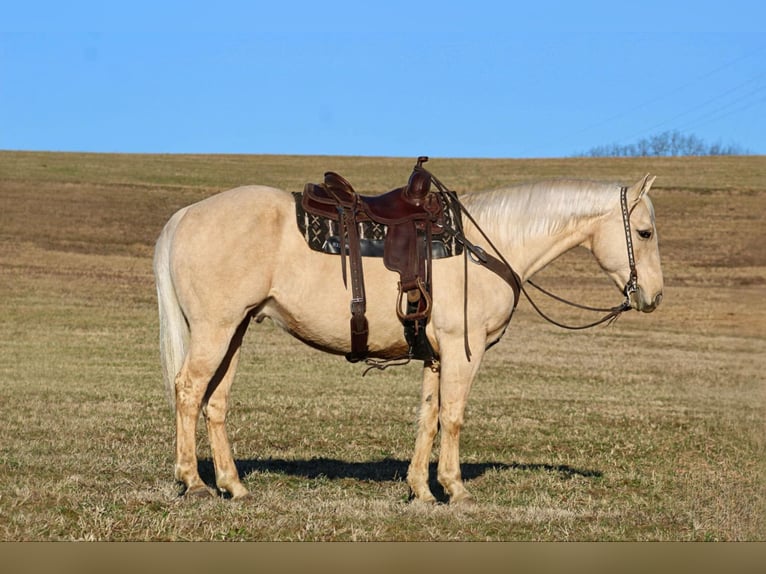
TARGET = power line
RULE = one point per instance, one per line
(702, 105)
(666, 94)
(712, 117)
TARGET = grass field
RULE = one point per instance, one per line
(650, 429)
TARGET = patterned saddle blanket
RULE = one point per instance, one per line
(323, 234)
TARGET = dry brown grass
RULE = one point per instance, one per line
(652, 429)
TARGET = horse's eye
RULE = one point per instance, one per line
(645, 233)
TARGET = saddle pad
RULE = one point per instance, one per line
(322, 234)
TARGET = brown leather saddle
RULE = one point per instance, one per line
(413, 216)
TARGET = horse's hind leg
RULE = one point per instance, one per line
(207, 349)
(214, 410)
(428, 425)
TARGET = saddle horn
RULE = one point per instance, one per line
(419, 184)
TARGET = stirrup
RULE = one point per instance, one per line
(416, 315)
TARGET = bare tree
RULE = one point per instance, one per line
(669, 143)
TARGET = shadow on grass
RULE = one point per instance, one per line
(385, 470)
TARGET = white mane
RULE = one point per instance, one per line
(517, 213)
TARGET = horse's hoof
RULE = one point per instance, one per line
(424, 501)
(199, 491)
(465, 500)
(423, 497)
(242, 497)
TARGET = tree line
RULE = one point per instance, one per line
(669, 143)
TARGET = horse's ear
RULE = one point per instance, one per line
(640, 188)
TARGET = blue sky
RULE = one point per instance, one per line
(446, 79)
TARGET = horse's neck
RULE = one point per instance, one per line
(536, 252)
(524, 236)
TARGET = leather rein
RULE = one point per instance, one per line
(500, 266)
(630, 287)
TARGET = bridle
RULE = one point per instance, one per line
(612, 313)
(501, 267)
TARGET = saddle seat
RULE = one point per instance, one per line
(409, 203)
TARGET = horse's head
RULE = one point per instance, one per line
(611, 248)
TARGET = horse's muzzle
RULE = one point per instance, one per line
(640, 302)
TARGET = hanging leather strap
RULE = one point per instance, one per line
(359, 327)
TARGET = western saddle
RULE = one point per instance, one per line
(413, 215)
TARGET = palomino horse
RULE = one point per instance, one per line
(238, 256)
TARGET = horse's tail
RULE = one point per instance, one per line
(174, 329)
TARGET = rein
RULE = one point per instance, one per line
(631, 286)
(504, 270)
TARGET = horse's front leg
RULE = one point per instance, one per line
(428, 424)
(455, 384)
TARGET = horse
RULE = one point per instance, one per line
(238, 257)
